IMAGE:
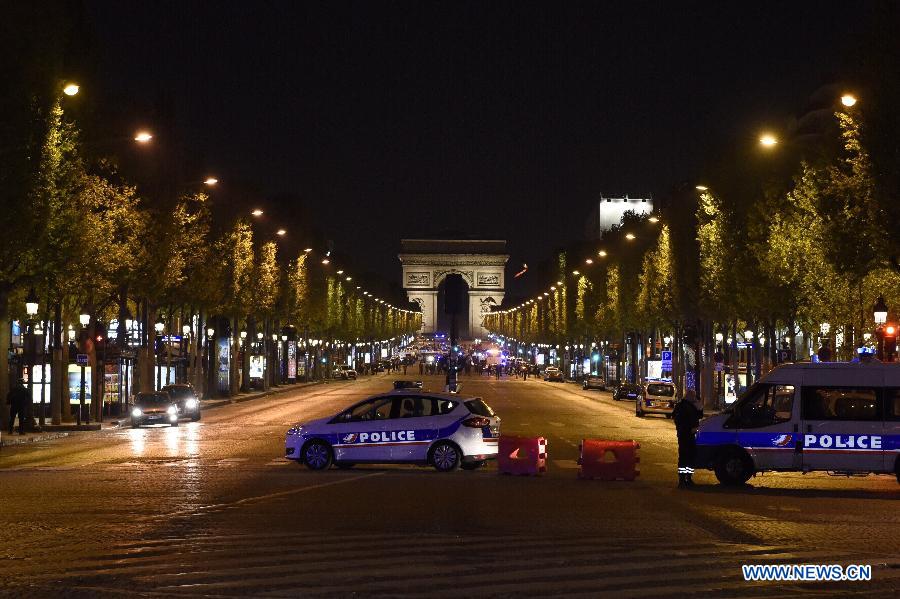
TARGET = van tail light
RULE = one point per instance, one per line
(476, 422)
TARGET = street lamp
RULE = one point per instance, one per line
(71, 89)
(143, 137)
(210, 332)
(767, 140)
(848, 100)
(881, 311)
(211, 181)
(159, 326)
(257, 212)
(31, 304)
(84, 318)
(629, 236)
(186, 330)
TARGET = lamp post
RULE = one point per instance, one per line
(880, 310)
(84, 319)
(31, 309)
(210, 357)
(159, 326)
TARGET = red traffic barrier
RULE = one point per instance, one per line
(609, 460)
(522, 455)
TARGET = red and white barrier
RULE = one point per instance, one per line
(609, 460)
(522, 455)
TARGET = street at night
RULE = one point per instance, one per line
(212, 509)
(460, 298)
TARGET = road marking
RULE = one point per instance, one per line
(228, 504)
(557, 424)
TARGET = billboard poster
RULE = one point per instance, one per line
(292, 360)
(223, 362)
(301, 366)
(74, 373)
(257, 366)
(654, 369)
(730, 389)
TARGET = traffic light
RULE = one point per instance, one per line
(890, 341)
(100, 341)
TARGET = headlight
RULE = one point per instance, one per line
(136, 413)
(191, 404)
(172, 410)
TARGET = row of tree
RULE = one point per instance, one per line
(798, 265)
(84, 240)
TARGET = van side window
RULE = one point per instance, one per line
(892, 404)
(841, 403)
(767, 405)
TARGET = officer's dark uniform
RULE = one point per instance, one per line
(687, 419)
(18, 404)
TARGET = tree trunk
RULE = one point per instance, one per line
(233, 361)
(5, 342)
(57, 367)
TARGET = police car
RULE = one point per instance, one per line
(841, 418)
(444, 430)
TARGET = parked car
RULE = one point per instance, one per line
(186, 399)
(658, 398)
(552, 373)
(628, 391)
(154, 408)
(344, 372)
(594, 381)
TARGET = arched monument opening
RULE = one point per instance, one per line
(443, 303)
(479, 262)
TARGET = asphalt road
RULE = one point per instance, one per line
(212, 509)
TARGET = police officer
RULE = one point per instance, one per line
(687, 414)
(17, 398)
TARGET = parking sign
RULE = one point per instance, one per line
(667, 360)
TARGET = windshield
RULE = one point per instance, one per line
(666, 390)
(180, 392)
(151, 399)
(479, 408)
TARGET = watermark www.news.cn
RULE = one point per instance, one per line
(806, 572)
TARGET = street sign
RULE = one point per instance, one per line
(667, 360)
(81, 359)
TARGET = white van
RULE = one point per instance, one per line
(836, 417)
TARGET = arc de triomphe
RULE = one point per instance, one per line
(427, 262)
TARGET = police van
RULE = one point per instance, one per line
(444, 430)
(842, 418)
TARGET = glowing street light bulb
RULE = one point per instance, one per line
(848, 100)
(576, 273)
(280, 232)
(768, 140)
(701, 187)
(340, 272)
(211, 181)
(71, 89)
(588, 261)
(326, 261)
(257, 212)
(143, 137)
(629, 236)
(559, 283)
(602, 253)
(653, 219)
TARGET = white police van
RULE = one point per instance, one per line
(842, 418)
(406, 426)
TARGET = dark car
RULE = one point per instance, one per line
(628, 391)
(407, 384)
(594, 381)
(186, 399)
(154, 408)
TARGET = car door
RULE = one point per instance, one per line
(413, 428)
(891, 441)
(843, 427)
(358, 431)
(766, 426)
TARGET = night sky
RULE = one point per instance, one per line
(383, 120)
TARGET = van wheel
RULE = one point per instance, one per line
(734, 468)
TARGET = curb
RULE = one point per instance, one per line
(7, 442)
(227, 401)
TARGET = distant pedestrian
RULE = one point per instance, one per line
(17, 398)
(687, 414)
(525, 372)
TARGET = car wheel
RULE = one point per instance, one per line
(473, 465)
(175, 423)
(317, 455)
(135, 425)
(195, 417)
(445, 457)
(734, 468)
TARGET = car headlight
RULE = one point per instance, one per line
(191, 404)
(172, 410)
(136, 413)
